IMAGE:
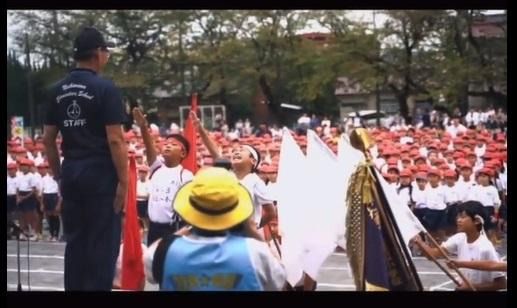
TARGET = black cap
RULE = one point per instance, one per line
(89, 39)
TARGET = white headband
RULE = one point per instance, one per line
(482, 223)
(253, 153)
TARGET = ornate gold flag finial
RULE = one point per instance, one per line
(361, 140)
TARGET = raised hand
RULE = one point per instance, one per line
(139, 117)
(195, 119)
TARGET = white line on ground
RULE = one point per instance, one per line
(335, 268)
(37, 271)
(443, 289)
(37, 256)
(440, 286)
(336, 285)
(344, 254)
(40, 243)
(33, 288)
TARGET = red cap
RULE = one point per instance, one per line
(421, 176)
(423, 168)
(43, 165)
(405, 158)
(26, 162)
(488, 155)
(393, 161)
(486, 171)
(20, 150)
(444, 167)
(458, 154)
(433, 171)
(12, 166)
(406, 172)
(465, 165)
(450, 174)
(470, 153)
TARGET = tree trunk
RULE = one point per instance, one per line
(273, 107)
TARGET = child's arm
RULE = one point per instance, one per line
(207, 141)
(269, 212)
(498, 283)
(428, 251)
(482, 265)
(150, 149)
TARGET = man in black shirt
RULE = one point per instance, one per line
(88, 112)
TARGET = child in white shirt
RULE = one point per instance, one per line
(488, 196)
(436, 215)
(452, 199)
(470, 244)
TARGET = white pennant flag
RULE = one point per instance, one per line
(407, 222)
(292, 196)
(348, 160)
(325, 203)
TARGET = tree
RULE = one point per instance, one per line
(408, 36)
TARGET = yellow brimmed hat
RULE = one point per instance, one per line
(214, 200)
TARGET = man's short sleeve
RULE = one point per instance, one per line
(155, 165)
(270, 272)
(453, 242)
(51, 114)
(187, 176)
(113, 105)
(262, 193)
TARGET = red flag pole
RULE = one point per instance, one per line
(190, 162)
(132, 276)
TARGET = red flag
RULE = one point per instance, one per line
(190, 162)
(132, 276)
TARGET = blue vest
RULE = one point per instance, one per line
(224, 266)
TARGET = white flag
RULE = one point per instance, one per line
(325, 203)
(407, 222)
(348, 160)
(292, 194)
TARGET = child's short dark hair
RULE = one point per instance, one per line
(473, 208)
(182, 140)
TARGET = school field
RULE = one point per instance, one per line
(47, 262)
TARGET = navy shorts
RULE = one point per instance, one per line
(503, 211)
(420, 214)
(435, 219)
(141, 206)
(489, 212)
(29, 204)
(11, 203)
(50, 202)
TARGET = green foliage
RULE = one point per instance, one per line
(233, 56)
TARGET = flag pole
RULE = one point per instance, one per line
(274, 241)
(439, 264)
(467, 282)
(376, 195)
